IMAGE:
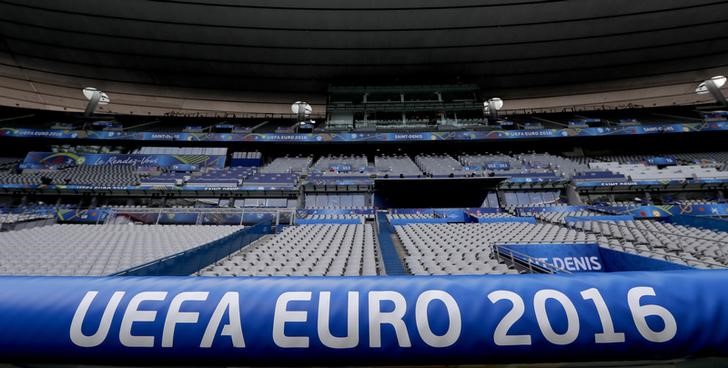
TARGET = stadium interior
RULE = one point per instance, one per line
(443, 207)
(329, 142)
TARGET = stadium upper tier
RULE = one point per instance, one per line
(170, 172)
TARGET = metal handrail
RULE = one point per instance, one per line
(530, 261)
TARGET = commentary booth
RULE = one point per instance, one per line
(586, 317)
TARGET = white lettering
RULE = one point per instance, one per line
(283, 316)
(352, 322)
(394, 318)
(133, 314)
(423, 322)
(77, 336)
(229, 302)
(175, 316)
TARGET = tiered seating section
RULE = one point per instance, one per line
(308, 250)
(353, 201)
(442, 249)
(96, 250)
(287, 165)
(99, 176)
(396, 166)
(560, 217)
(530, 198)
(690, 246)
(212, 151)
(439, 165)
(328, 248)
(289, 172)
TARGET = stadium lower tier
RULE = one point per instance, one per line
(97, 250)
(356, 247)
(306, 250)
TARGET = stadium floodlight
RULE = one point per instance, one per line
(301, 109)
(495, 103)
(95, 98)
(492, 106)
(712, 86)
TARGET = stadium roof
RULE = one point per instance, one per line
(301, 47)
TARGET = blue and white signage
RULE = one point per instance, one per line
(364, 320)
(565, 257)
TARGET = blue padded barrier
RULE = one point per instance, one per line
(432, 220)
(525, 219)
(614, 218)
(702, 222)
(621, 261)
(306, 221)
(364, 320)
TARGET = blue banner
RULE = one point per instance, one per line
(710, 223)
(341, 221)
(341, 168)
(491, 220)
(534, 179)
(521, 211)
(334, 211)
(131, 188)
(565, 257)
(572, 219)
(706, 209)
(246, 162)
(184, 167)
(364, 320)
(481, 211)
(431, 220)
(633, 183)
(365, 136)
(44, 160)
(92, 216)
(452, 214)
(661, 161)
(498, 165)
(637, 211)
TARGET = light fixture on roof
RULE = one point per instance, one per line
(301, 109)
(303, 112)
(95, 98)
(712, 86)
(491, 107)
(495, 103)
